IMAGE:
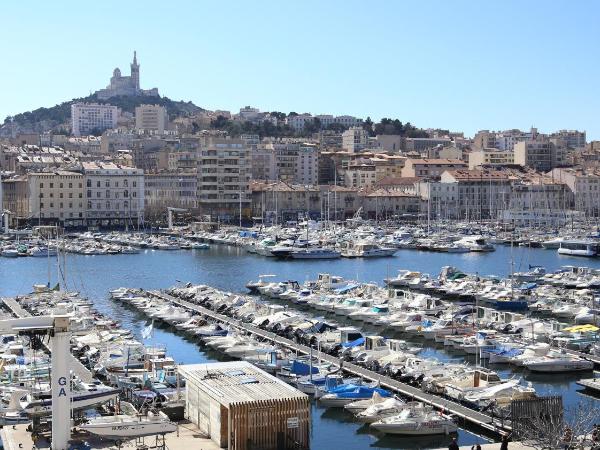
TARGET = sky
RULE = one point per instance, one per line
(451, 64)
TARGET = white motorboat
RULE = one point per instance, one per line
(315, 253)
(578, 248)
(124, 426)
(387, 408)
(557, 362)
(417, 421)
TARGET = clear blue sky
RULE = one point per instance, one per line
(462, 65)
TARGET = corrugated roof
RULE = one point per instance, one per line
(237, 382)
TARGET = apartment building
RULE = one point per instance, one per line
(279, 202)
(360, 175)
(224, 172)
(430, 168)
(355, 139)
(114, 194)
(151, 118)
(263, 163)
(424, 144)
(540, 154)
(56, 197)
(170, 189)
(90, 118)
(307, 165)
(15, 198)
(584, 186)
(490, 157)
(572, 138)
(383, 204)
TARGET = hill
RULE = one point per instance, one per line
(56, 117)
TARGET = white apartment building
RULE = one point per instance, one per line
(224, 172)
(57, 197)
(114, 194)
(92, 117)
(152, 118)
(263, 163)
(355, 139)
(298, 122)
(307, 165)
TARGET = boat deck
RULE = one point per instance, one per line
(590, 383)
(467, 414)
(79, 369)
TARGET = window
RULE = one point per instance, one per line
(107, 205)
(41, 195)
(41, 205)
(61, 195)
(51, 185)
(107, 183)
(89, 183)
(89, 205)
(61, 185)
(61, 205)
(81, 195)
(70, 195)
(107, 193)
(97, 183)
(70, 185)
(51, 205)
(41, 185)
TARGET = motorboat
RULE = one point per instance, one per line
(578, 248)
(314, 253)
(557, 362)
(386, 408)
(124, 426)
(417, 420)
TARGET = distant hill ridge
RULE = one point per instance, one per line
(46, 119)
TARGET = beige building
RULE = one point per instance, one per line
(355, 139)
(57, 197)
(490, 157)
(280, 202)
(114, 194)
(584, 186)
(360, 175)
(539, 154)
(430, 168)
(15, 198)
(383, 204)
(152, 118)
(224, 172)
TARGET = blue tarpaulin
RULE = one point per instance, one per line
(300, 368)
(346, 288)
(354, 343)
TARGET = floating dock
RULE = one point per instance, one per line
(469, 415)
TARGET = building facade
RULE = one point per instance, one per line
(224, 172)
(152, 118)
(89, 118)
(57, 197)
(114, 194)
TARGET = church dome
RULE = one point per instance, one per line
(116, 73)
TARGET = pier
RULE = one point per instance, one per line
(485, 421)
(78, 369)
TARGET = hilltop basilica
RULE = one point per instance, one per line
(122, 85)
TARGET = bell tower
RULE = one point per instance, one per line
(135, 72)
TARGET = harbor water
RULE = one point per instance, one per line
(230, 268)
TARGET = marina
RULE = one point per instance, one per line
(231, 267)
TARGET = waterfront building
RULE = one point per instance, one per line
(15, 198)
(224, 172)
(56, 197)
(584, 187)
(263, 162)
(89, 118)
(114, 194)
(383, 204)
(125, 85)
(279, 202)
(241, 407)
(151, 118)
(169, 189)
(430, 168)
